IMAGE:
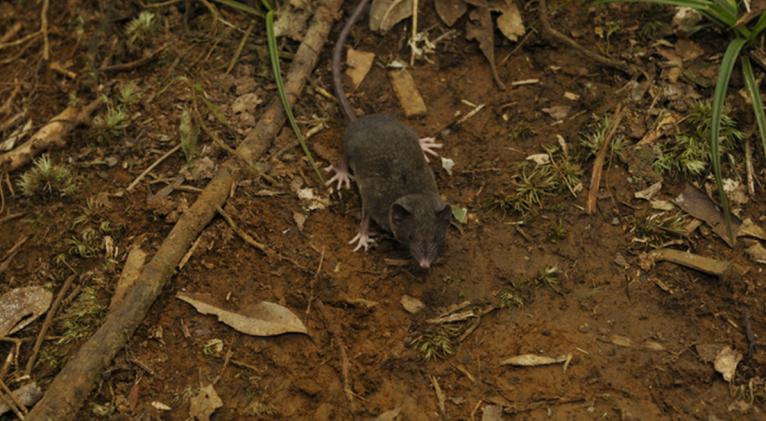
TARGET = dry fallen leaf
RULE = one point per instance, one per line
(558, 112)
(407, 92)
(204, 404)
(726, 362)
(292, 18)
(411, 304)
(622, 341)
(21, 306)
(649, 192)
(160, 406)
(263, 319)
(450, 10)
(751, 229)
(479, 27)
(697, 204)
(533, 360)
(509, 22)
(384, 14)
(389, 415)
(359, 64)
(757, 252)
(492, 413)
(26, 395)
(300, 220)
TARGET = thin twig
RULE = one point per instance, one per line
(414, 38)
(344, 364)
(6, 107)
(44, 30)
(10, 401)
(750, 171)
(10, 394)
(6, 263)
(240, 47)
(313, 281)
(151, 167)
(47, 322)
(598, 163)
(226, 360)
(242, 234)
(11, 217)
(558, 36)
(124, 67)
(19, 41)
(11, 32)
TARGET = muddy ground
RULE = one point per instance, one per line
(548, 280)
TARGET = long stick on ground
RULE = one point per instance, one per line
(73, 384)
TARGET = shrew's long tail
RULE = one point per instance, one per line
(340, 93)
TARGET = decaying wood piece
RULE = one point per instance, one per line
(51, 135)
(75, 381)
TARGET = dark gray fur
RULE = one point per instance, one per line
(397, 186)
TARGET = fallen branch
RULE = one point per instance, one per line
(73, 384)
(52, 134)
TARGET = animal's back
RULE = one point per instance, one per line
(386, 160)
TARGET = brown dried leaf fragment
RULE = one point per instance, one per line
(479, 27)
(450, 10)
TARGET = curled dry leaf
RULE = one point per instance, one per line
(384, 14)
(726, 362)
(263, 319)
(204, 403)
(450, 10)
(479, 27)
(21, 306)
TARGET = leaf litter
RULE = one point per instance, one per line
(263, 319)
(21, 306)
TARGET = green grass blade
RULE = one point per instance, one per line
(274, 57)
(759, 27)
(724, 75)
(755, 98)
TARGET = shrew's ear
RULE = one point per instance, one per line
(399, 213)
